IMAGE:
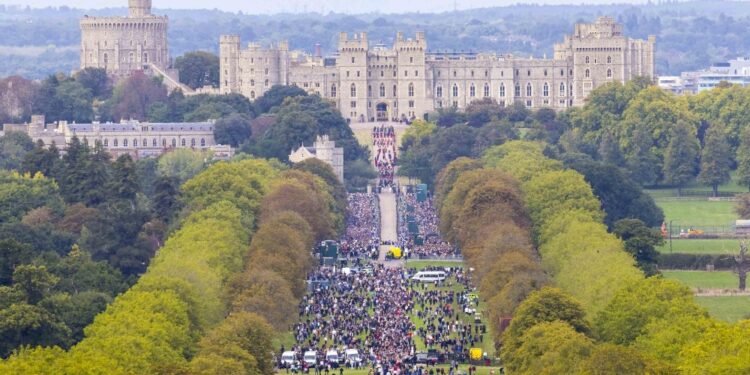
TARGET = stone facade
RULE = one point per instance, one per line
(122, 45)
(134, 138)
(325, 150)
(407, 82)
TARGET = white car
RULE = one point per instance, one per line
(429, 276)
(353, 359)
(332, 358)
(288, 359)
(311, 358)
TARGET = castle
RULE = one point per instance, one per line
(121, 45)
(323, 149)
(407, 82)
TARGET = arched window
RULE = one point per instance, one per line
(502, 90)
(455, 90)
(609, 59)
(252, 82)
(587, 60)
(252, 94)
(472, 91)
(354, 90)
(174, 143)
(562, 89)
(588, 73)
(486, 90)
(333, 91)
(124, 143)
(183, 142)
(518, 90)
(440, 91)
(609, 73)
(382, 90)
(106, 142)
(411, 90)
(145, 142)
(203, 142)
(106, 59)
(192, 142)
(164, 143)
(528, 89)
(545, 90)
(154, 143)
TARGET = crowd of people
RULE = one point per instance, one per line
(428, 242)
(384, 145)
(363, 225)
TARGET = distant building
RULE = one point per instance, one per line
(324, 150)
(134, 138)
(376, 83)
(733, 72)
(672, 84)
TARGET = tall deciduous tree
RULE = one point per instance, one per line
(198, 69)
(681, 157)
(640, 242)
(743, 158)
(716, 159)
(641, 162)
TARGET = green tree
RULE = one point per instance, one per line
(96, 81)
(34, 281)
(233, 130)
(75, 101)
(42, 159)
(608, 359)
(166, 200)
(743, 158)
(681, 156)
(641, 242)
(716, 159)
(198, 69)
(12, 255)
(14, 147)
(550, 348)
(641, 163)
(23, 324)
(134, 97)
(276, 95)
(722, 349)
(124, 181)
(609, 150)
(182, 164)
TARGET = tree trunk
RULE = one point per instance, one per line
(743, 279)
(716, 190)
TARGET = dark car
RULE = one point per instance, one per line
(435, 357)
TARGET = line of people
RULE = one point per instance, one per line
(384, 146)
(362, 227)
(423, 215)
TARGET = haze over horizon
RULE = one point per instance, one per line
(320, 6)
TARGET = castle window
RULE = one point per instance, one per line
(406, 73)
(145, 142)
(357, 73)
(382, 90)
(502, 90)
(153, 143)
(394, 74)
(416, 73)
(545, 90)
(528, 103)
(609, 73)
(587, 60)
(609, 59)
(411, 104)
(266, 71)
(369, 90)
(164, 143)
(411, 59)
(124, 143)
(486, 73)
(192, 142)
(266, 83)
(114, 143)
(562, 73)
(454, 73)
(528, 72)
(528, 89)
(353, 91)
(455, 90)
(333, 91)
(353, 104)
(588, 73)
(106, 142)
(382, 73)
(562, 89)
(440, 91)
(145, 57)
(203, 142)
(472, 91)
(183, 142)
(252, 94)
(395, 91)
(486, 90)
(174, 143)
(411, 89)
(347, 74)
(472, 74)
(353, 60)
(252, 82)
(518, 90)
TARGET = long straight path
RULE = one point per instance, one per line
(388, 222)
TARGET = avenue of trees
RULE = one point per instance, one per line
(565, 295)
(218, 311)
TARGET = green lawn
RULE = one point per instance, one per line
(687, 246)
(704, 279)
(731, 186)
(697, 213)
(727, 308)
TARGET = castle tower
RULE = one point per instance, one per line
(139, 8)
(229, 57)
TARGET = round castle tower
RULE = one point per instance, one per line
(122, 45)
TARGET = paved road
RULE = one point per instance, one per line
(388, 225)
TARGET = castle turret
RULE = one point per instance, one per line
(139, 8)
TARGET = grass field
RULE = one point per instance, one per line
(686, 246)
(704, 279)
(697, 213)
(727, 308)
(731, 186)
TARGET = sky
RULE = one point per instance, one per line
(321, 6)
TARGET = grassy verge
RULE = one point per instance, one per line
(727, 308)
(713, 246)
(704, 279)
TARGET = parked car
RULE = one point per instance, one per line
(332, 358)
(310, 359)
(352, 357)
(289, 360)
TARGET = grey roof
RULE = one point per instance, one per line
(172, 126)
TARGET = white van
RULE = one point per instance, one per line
(311, 358)
(332, 358)
(288, 359)
(429, 276)
(352, 358)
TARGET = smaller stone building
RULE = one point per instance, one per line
(324, 150)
